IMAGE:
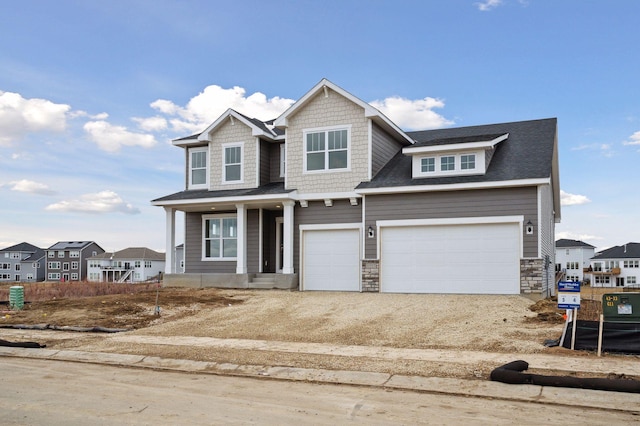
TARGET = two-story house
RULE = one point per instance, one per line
(67, 260)
(332, 195)
(572, 258)
(617, 266)
(22, 262)
(131, 265)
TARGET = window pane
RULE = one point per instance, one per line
(212, 228)
(315, 161)
(199, 176)
(233, 172)
(212, 248)
(232, 155)
(447, 163)
(338, 160)
(338, 139)
(428, 165)
(230, 228)
(468, 162)
(229, 247)
(315, 142)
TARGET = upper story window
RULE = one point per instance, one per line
(327, 150)
(428, 165)
(51, 254)
(468, 161)
(74, 253)
(15, 256)
(447, 163)
(198, 171)
(61, 253)
(232, 162)
(220, 237)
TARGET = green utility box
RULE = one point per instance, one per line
(621, 307)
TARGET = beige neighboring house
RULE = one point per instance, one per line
(131, 265)
(334, 196)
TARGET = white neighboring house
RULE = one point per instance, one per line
(618, 266)
(572, 258)
(131, 265)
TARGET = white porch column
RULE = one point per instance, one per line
(241, 262)
(170, 255)
(287, 237)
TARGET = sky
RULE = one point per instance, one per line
(93, 91)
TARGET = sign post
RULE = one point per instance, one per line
(569, 298)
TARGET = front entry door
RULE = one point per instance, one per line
(279, 244)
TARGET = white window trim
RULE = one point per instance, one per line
(457, 171)
(224, 164)
(205, 185)
(283, 159)
(202, 233)
(326, 150)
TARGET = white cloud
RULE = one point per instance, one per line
(31, 187)
(204, 108)
(567, 199)
(576, 236)
(606, 149)
(413, 114)
(80, 113)
(151, 124)
(488, 5)
(634, 139)
(19, 116)
(101, 202)
(111, 138)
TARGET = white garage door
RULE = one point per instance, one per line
(331, 260)
(471, 259)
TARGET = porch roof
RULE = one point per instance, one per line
(268, 191)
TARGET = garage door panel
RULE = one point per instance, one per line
(482, 259)
(331, 260)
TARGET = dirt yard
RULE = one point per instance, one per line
(511, 324)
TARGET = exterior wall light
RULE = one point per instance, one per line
(371, 232)
(529, 228)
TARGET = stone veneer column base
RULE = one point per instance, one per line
(370, 275)
(532, 278)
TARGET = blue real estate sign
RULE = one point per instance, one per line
(568, 295)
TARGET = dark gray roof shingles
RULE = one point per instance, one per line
(626, 251)
(268, 189)
(526, 154)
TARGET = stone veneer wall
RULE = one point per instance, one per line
(532, 277)
(370, 275)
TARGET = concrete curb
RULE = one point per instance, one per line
(473, 388)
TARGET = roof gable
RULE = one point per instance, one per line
(565, 243)
(369, 111)
(626, 251)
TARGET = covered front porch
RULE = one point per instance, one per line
(233, 243)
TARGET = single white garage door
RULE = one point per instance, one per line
(470, 259)
(331, 260)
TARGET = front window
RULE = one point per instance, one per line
(447, 163)
(327, 150)
(428, 165)
(74, 253)
(631, 280)
(74, 265)
(54, 265)
(220, 237)
(468, 162)
(51, 254)
(198, 167)
(147, 264)
(233, 163)
(136, 264)
(61, 253)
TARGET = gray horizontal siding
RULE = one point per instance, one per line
(318, 214)
(454, 204)
(253, 241)
(193, 249)
(384, 149)
(274, 161)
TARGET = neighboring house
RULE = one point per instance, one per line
(131, 265)
(22, 262)
(179, 259)
(616, 267)
(332, 195)
(67, 260)
(572, 258)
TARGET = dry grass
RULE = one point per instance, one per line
(44, 291)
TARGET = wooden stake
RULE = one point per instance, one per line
(600, 330)
(573, 330)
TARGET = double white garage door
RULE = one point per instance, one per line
(470, 259)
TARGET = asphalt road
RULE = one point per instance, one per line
(39, 392)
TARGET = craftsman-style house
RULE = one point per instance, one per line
(332, 195)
